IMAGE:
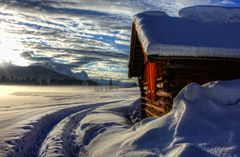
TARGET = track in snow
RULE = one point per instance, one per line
(49, 133)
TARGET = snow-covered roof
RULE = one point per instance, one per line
(185, 36)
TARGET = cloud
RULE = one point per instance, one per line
(75, 35)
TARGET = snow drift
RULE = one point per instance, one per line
(211, 14)
(204, 121)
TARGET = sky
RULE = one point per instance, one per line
(75, 35)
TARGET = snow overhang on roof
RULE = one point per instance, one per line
(200, 32)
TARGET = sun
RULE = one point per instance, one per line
(10, 50)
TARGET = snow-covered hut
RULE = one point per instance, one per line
(202, 44)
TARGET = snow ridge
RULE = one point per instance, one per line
(60, 141)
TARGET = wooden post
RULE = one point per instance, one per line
(150, 77)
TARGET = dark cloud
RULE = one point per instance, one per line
(31, 57)
(74, 11)
(29, 3)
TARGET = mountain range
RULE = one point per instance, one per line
(40, 75)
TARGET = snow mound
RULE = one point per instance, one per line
(204, 121)
(211, 14)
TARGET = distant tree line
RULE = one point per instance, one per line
(44, 81)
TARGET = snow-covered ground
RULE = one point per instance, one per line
(72, 121)
(28, 113)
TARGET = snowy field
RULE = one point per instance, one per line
(28, 114)
(101, 122)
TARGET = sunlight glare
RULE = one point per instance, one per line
(10, 50)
